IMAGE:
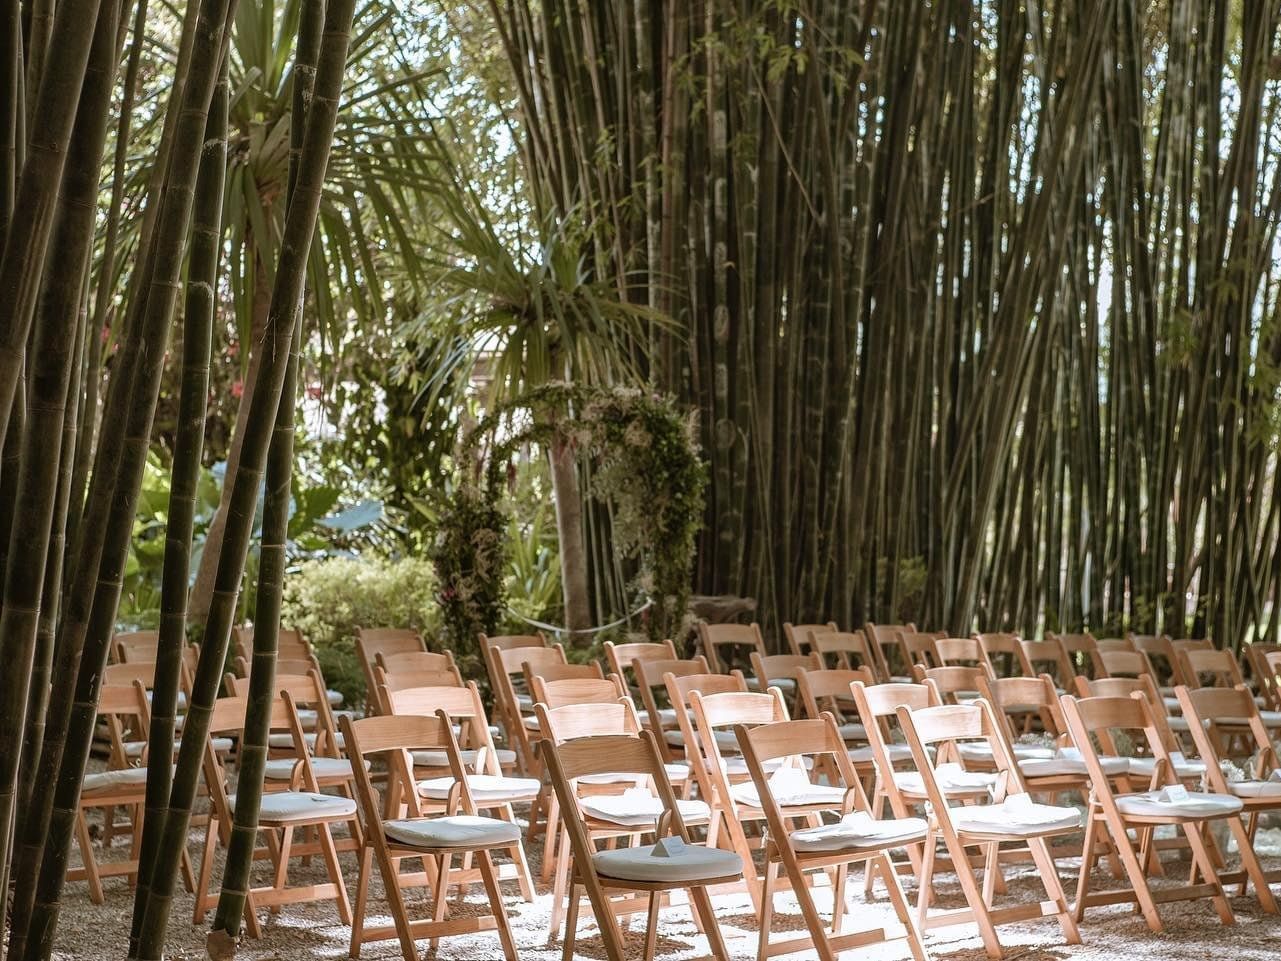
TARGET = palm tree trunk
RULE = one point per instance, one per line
(197, 339)
(287, 292)
(573, 552)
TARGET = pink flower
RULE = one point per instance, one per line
(233, 348)
(315, 391)
(238, 389)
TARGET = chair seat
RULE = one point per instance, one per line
(1270, 719)
(859, 830)
(109, 782)
(308, 718)
(674, 738)
(736, 765)
(485, 788)
(1068, 760)
(282, 769)
(790, 787)
(1184, 767)
(693, 863)
(852, 732)
(530, 723)
(675, 772)
(636, 807)
(1016, 816)
(982, 751)
(221, 746)
(525, 702)
(666, 717)
(786, 685)
(182, 699)
(1195, 805)
(952, 780)
(441, 758)
(1256, 789)
(896, 753)
(286, 741)
(282, 807)
(459, 831)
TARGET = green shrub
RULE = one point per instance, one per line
(329, 599)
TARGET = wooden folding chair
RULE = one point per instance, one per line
(620, 657)
(1002, 653)
(290, 644)
(407, 832)
(714, 639)
(1159, 651)
(1199, 668)
(1259, 674)
(1034, 656)
(894, 658)
(513, 702)
(844, 651)
(1234, 708)
(663, 721)
(780, 670)
(959, 652)
(1166, 802)
(640, 873)
(400, 680)
(798, 636)
(407, 662)
(731, 794)
(280, 815)
(684, 740)
(370, 642)
(134, 646)
(576, 690)
(857, 838)
(1082, 652)
(491, 790)
(1012, 818)
(506, 642)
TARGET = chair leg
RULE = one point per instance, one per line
(925, 892)
(969, 885)
(440, 907)
(767, 909)
(490, 879)
(396, 901)
(651, 925)
(549, 839)
(1253, 869)
(1054, 888)
(561, 873)
(898, 899)
(1088, 860)
(804, 895)
(362, 896)
(86, 855)
(206, 870)
(838, 897)
(1134, 868)
(1201, 858)
(571, 923)
(330, 854)
(282, 865)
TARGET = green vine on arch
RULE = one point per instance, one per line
(647, 464)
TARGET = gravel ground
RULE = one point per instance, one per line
(314, 931)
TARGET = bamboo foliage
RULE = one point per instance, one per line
(977, 299)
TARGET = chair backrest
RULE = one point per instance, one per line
(135, 645)
(404, 662)
(290, 644)
(462, 705)
(920, 649)
(798, 635)
(1124, 663)
(1195, 666)
(372, 641)
(1001, 653)
(713, 717)
(949, 723)
(619, 657)
(878, 712)
(1082, 652)
(1160, 654)
(820, 690)
(1034, 656)
(505, 642)
(774, 667)
(576, 690)
(888, 642)
(400, 680)
(959, 651)
(950, 682)
(1255, 667)
(719, 641)
(556, 671)
(1094, 719)
(512, 661)
(568, 722)
(1208, 708)
(650, 677)
(1007, 694)
(845, 650)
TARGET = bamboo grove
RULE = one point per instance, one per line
(69, 490)
(977, 300)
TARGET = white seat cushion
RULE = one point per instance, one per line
(1269, 718)
(666, 717)
(1196, 804)
(1016, 816)
(636, 807)
(981, 751)
(786, 685)
(485, 788)
(1172, 705)
(1184, 767)
(308, 718)
(282, 740)
(859, 830)
(853, 732)
(693, 863)
(1069, 760)
(283, 806)
(1256, 789)
(790, 787)
(282, 769)
(675, 772)
(674, 738)
(525, 702)
(459, 831)
(334, 697)
(221, 745)
(530, 723)
(109, 782)
(897, 753)
(441, 758)
(952, 779)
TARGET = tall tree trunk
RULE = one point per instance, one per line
(300, 223)
(573, 551)
(197, 339)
